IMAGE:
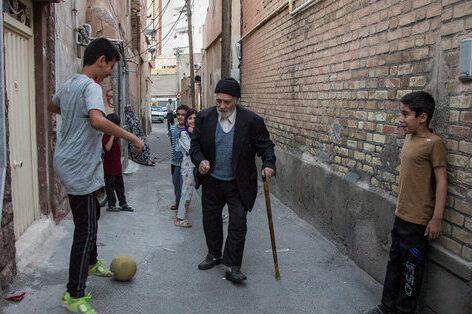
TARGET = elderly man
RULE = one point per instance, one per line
(224, 145)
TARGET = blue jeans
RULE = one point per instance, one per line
(177, 182)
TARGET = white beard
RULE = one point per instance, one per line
(225, 114)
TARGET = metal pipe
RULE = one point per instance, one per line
(76, 24)
(74, 11)
(303, 7)
(3, 157)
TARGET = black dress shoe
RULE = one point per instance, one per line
(209, 262)
(235, 275)
(379, 309)
(127, 208)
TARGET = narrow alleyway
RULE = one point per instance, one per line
(316, 278)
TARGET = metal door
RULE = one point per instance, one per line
(19, 67)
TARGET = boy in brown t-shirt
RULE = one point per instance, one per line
(420, 207)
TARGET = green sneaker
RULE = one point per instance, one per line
(99, 270)
(78, 305)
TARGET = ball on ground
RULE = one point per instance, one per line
(123, 268)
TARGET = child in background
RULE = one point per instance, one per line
(420, 207)
(176, 155)
(112, 169)
(187, 167)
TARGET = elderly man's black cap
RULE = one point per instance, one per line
(228, 86)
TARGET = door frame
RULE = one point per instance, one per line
(16, 26)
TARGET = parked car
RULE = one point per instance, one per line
(158, 114)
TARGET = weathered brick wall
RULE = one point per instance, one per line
(7, 233)
(328, 83)
(256, 11)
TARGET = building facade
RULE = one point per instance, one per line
(327, 77)
(29, 188)
(213, 50)
(173, 49)
(174, 26)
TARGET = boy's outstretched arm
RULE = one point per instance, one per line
(109, 144)
(52, 107)
(99, 122)
(433, 230)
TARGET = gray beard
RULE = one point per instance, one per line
(225, 114)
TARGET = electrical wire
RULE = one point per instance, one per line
(166, 36)
(170, 31)
(152, 23)
(158, 17)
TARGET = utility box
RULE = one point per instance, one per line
(465, 60)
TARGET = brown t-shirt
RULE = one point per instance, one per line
(416, 196)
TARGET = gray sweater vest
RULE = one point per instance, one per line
(223, 154)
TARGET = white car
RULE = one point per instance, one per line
(158, 114)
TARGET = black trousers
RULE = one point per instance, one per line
(86, 212)
(170, 120)
(405, 267)
(215, 195)
(115, 184)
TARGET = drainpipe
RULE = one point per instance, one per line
(3, 148)
(76, 23)
(306, 5)
(74, 12)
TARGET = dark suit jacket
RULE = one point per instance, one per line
(250, 138)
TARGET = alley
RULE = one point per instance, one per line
(316, 278)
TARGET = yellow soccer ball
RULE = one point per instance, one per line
(123, 268)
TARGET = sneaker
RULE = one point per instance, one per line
(127, 208)
(112, 209)
(378, 309)
(78, 305)
(99, 270)
(173, 207)
(182, 223)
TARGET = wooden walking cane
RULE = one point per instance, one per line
(271, 227)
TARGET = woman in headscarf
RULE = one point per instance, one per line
(134, 127)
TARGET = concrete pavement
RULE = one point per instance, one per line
(316, 277)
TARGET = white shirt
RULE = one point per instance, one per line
(227, 123)
(170, 107)
(184, 147)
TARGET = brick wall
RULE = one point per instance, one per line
(328, 82)
(7, 234)
(256, 11)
